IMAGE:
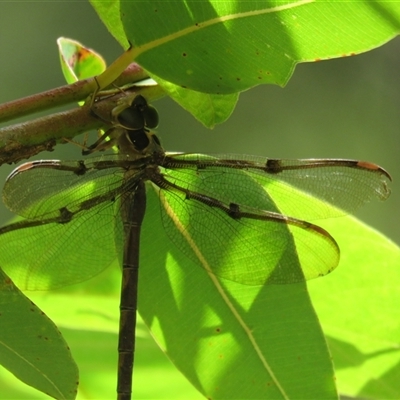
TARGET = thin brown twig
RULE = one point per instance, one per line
(64, 95)
(23, 140)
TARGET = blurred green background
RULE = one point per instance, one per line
(343, 108)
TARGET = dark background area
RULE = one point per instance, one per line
(343, 108)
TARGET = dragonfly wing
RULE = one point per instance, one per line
(253, 247)
(40, 189)
(342, 185)
(59, 254)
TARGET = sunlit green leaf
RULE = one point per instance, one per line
(77, 61)
(227, 47)
(358, 309)
(229, 339)
(209, 109)
(31, 347)
(90, 325)
(108, 12)
(230, 46)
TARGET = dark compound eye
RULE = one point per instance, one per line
(138, 138)
(139, 115)
(150, 116)
(131, 118)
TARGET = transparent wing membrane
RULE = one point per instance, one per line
(43, 189)
(241, 218)
(54, 255)
(344, 184)
(252, 251)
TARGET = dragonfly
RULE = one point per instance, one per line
(222, 211)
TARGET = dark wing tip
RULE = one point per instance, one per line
(374, 167)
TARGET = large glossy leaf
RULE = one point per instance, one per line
(358, 308)
(87, 316)
(363, 291)
(209, 108)
(230, 46)
(230, 340)
(31, 347)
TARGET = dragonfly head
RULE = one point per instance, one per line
(134, 117)
(131, 122)
(139, 142)
(134, 113)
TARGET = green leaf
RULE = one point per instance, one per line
(31, 347)
(77, 61)
(210, 109)
(230, 340)
(230, 46)
(87, 315)
(108, 12)
(358, 308)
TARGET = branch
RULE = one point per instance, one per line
(21, 141)
(63, 95)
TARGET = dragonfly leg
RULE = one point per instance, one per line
(107, 140)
